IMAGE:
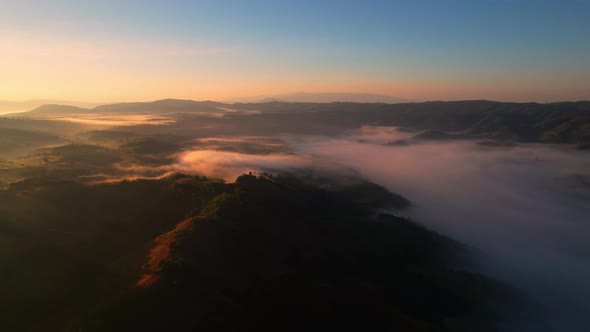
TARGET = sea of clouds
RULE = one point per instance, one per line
(525, 207)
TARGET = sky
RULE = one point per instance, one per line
(127, 50)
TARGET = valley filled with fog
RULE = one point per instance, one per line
(517, 197)
(525, 207)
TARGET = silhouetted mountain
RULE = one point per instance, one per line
(567, 122)
(27, 105)
(530, 122)
(58, 109)
(161, 107)
(273, 100)
(155, 107)
(305, 97)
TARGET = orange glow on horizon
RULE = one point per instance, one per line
(34, 67)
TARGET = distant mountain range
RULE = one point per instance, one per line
(7, 106)
(566, 122)
(306, 97)
(52, 106)
(153, 107)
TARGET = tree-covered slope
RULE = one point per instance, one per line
(282, 254)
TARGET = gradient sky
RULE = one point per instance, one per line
(107, 51)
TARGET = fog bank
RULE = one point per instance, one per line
(527, 208)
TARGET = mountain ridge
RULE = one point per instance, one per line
(561, 122)
(326, 97)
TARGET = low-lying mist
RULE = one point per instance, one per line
(524, 207)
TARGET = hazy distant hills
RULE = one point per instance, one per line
(24, 106)
(565, 122)
(161, 106)
(305, 97)
(7, 107)
(154, 107)
(58, 109)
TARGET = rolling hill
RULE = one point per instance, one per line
(567, 122)
(306, 97)
(15, 140)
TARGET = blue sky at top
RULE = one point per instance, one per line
(421, 49)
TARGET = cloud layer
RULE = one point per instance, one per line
(525, 207)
